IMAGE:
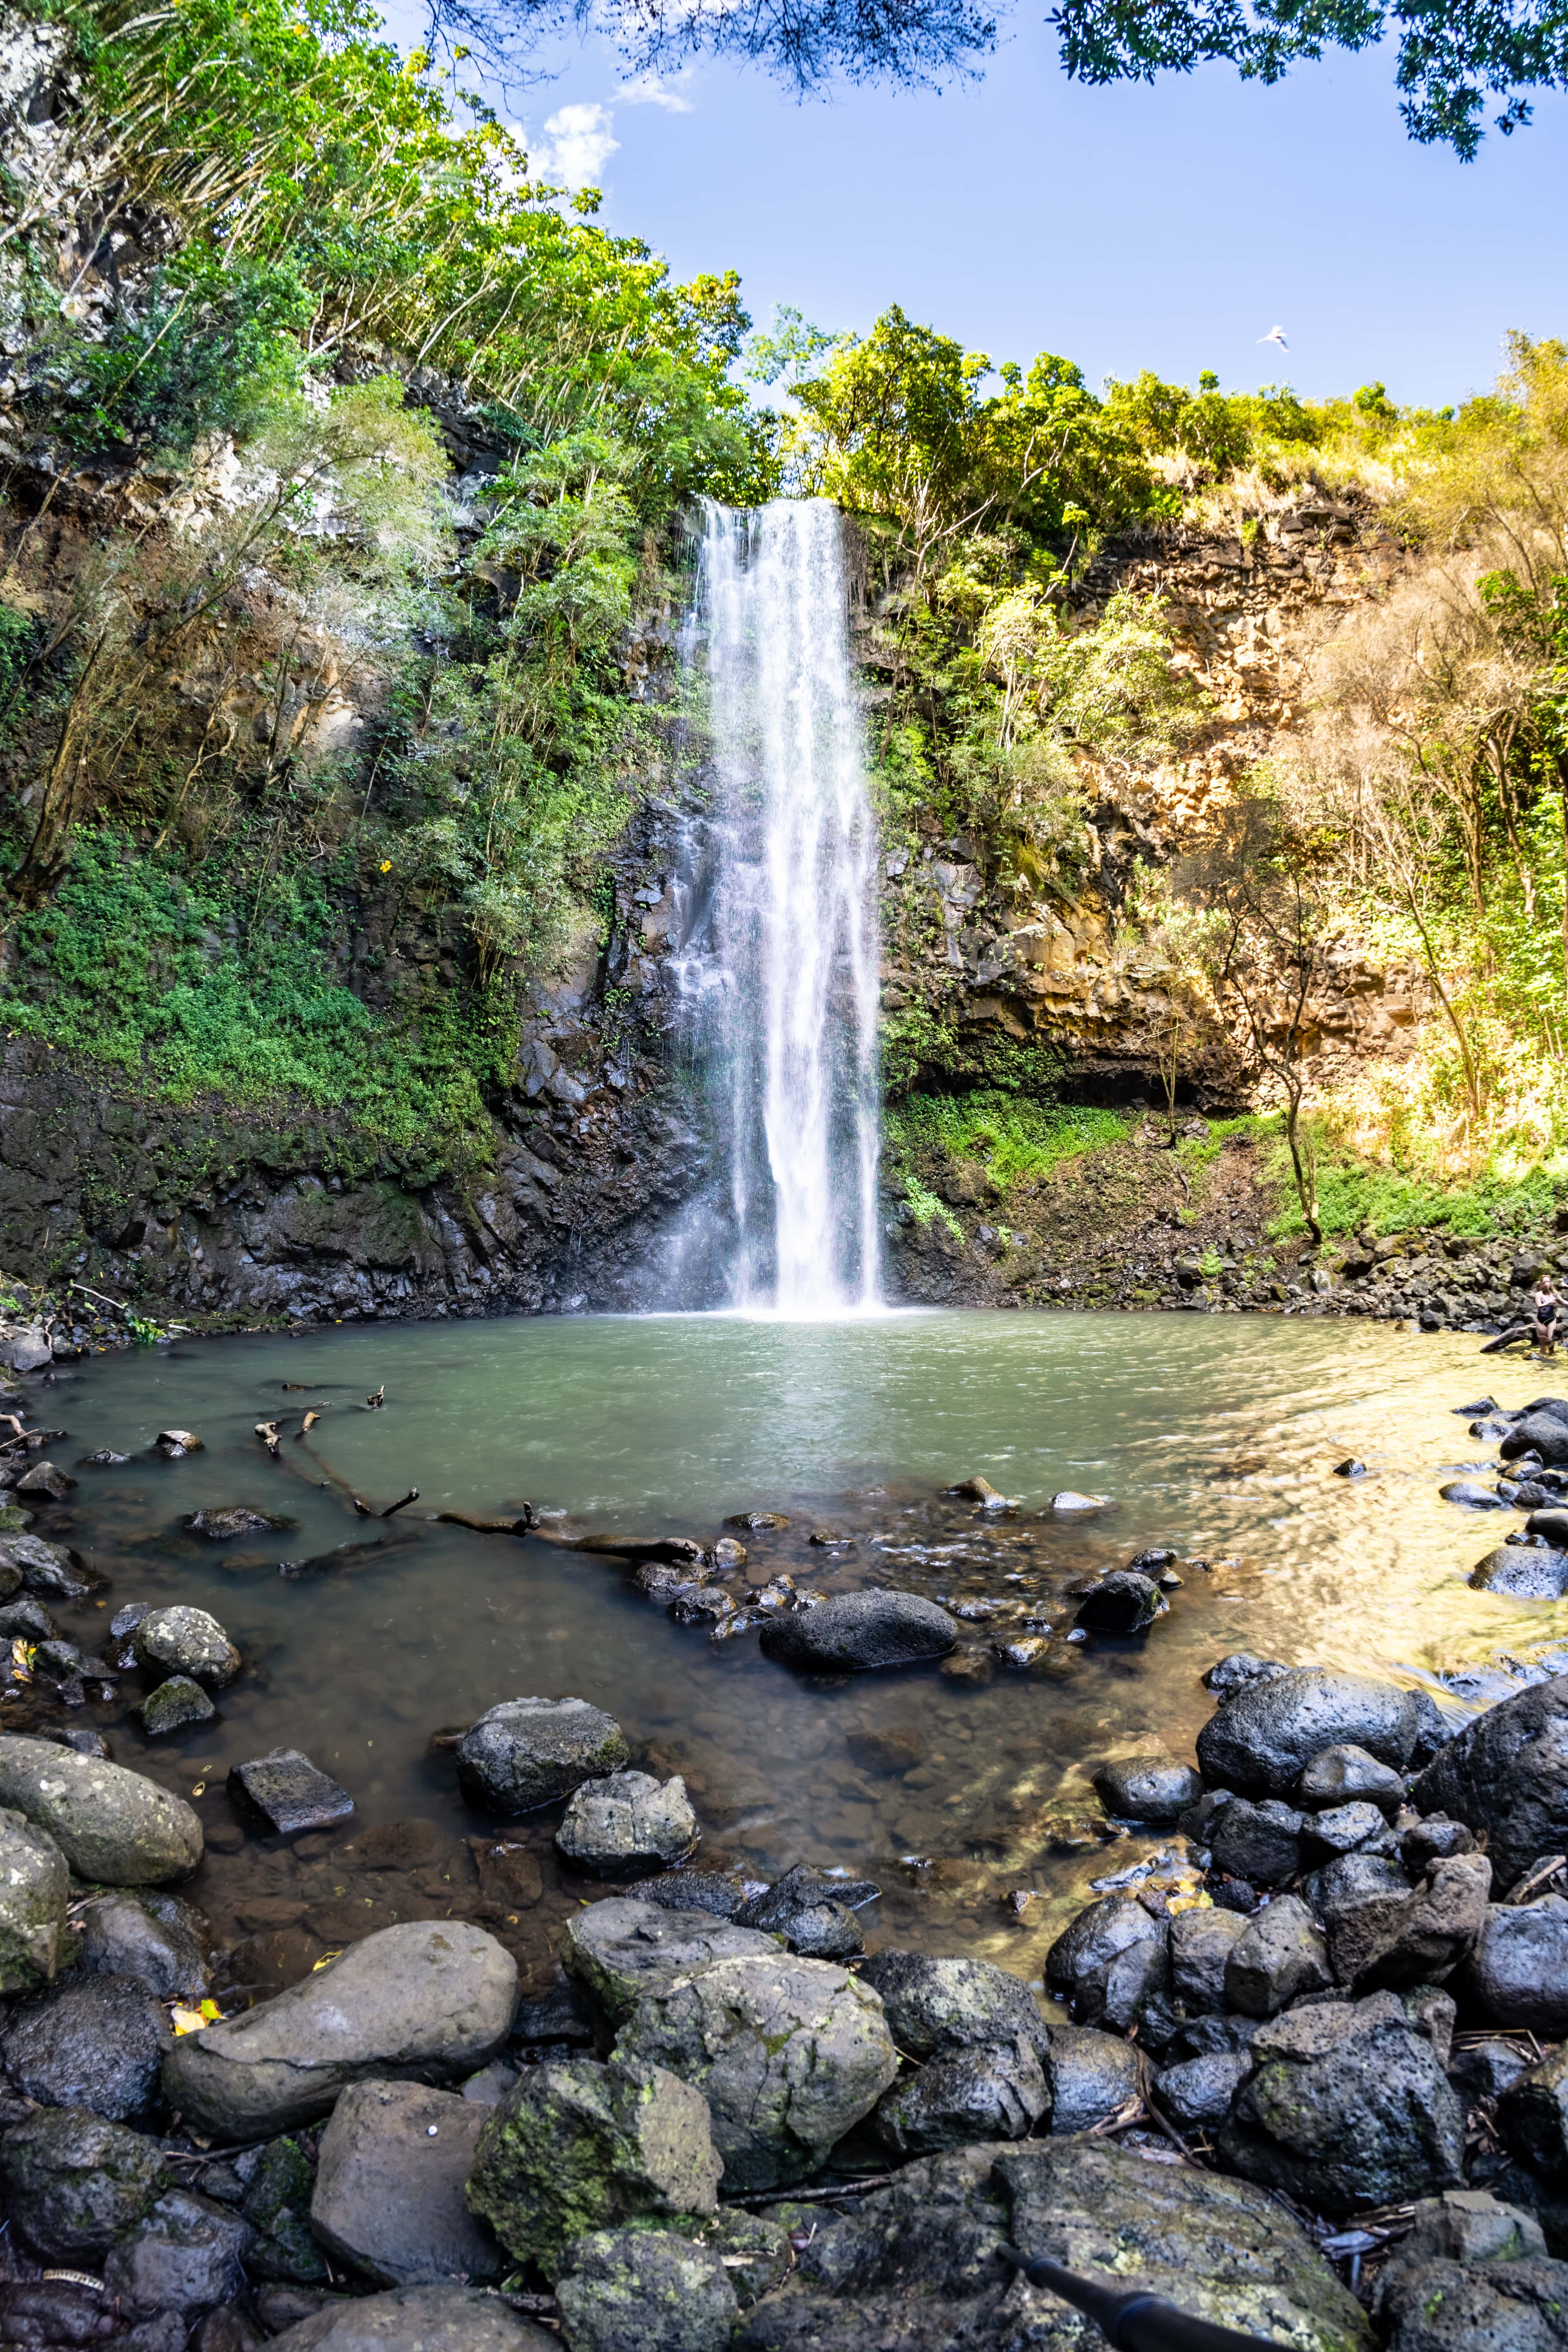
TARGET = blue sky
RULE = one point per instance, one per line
(1166, 227)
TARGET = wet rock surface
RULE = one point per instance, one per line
(527, 1752)
(113, 1826)
(628, 1824)
(96, 2043)
(1506, 1776)
(1264, 1737)
(75, 2182)
(287, 1793)
(391, 2171)
(34, 1886)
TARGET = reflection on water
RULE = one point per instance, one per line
(1216, 1435)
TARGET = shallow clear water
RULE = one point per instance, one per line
(1216, 1435)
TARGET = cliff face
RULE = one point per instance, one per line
(601, 1140)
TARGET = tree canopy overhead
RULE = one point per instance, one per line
(1455, 59)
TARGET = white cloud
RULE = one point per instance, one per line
(578, 143)
(651, 89)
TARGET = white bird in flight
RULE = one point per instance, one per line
(1275, 335)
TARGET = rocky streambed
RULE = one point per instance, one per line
(475, 1918)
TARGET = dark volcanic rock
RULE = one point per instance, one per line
(156, 1938)
(97, 2043)
(1148, 1789)
(1279, 1956)
(1121, 1602)
(1344, 1776)
(1353, 1879)
(714, 1891)
(75, 2182)
(814, 1913)
(183, 2256)
(1261, 1844)
(1090, 2075)
(1522, 1572)
(1262, 1739)
(1414, 1939)
(1517, 1973)
(1449, 2306)
(288, 1793)
(1532, 2115)
(988, 2092)
(1348, 2108)
(527, 1752)
(1538, 1433)
(858, 1631)
(1506, 1776)
(937, 2006)
(1197, 2092)
(1202, 1942)
(1110, 1962)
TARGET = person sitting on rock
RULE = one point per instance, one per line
(1546, 1307)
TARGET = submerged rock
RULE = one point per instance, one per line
(288, 1793)
(427, 1997)
(394, 2163)
(1506, 1776)
(858, 1631)
(114, 1827)
(223, 1524)
(174, 1705)
(627, 1823)
(578, 2146)
(187, 1641)
(1264, 1736)
(527, 1752)
(1121, 1602)
(34, 1887)
(75, 2182)
(789, 2053)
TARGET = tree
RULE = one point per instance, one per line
(1270, 930)
(1452, 60)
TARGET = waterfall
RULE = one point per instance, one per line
(789, 1015)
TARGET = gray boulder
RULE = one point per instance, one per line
(113, 1827)
(1153, 1789)
(1415, 1938)
(1202, 1942)
(986, 2092)
(790, 2053)
(1348, 1775)
(95, 2043)
(45, 1568)
(618, 1950)
(934, 2007)
(1347, 2108)
(185, 1640)
(717, 1891)
(856, 1632)
(527, 1752)
(1537, 1432)
(1353, 1878)
(1505, 1775)
(644, 2291)
(1263, 1738)
(915, 2265)
(34, 1886)
(1279, 1956)
(1110, 1963)
(1196, 2093)
(1532, 2113)
(429, 1999)
(75, 2182)
(155, 1938)
(1470, 2225)
(418, 2319)
(1342, 1829)
(1516, 1974)
(1450, 2306)
(626, 1824)
(1089, 2076)
(578, 2146)
(184, 2255)
(395, 2160)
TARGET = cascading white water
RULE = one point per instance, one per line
(792, 1026)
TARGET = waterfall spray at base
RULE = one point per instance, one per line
(788, 1020)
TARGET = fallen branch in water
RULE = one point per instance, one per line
(520, 1526)
(402, 1503)
(681, 1551)
(267, 1433)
